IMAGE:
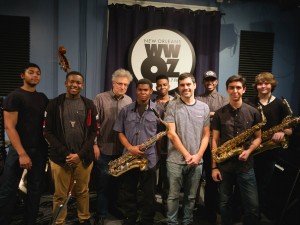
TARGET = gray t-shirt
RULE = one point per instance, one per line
(74, 119)
(189, 121)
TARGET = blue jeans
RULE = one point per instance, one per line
(10, 181)
(187, 177)
(248, 190)
(106, 185)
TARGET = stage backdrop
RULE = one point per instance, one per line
(126, 23)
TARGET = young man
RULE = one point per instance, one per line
(23, 118)
(109, 104)
(275, 111)
(70, 129)
(214, 100)
(229, 121)
(188, 121)
(137, 123)
(162, 100)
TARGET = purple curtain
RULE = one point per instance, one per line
(202, 28)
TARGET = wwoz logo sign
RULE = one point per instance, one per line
(161, 51)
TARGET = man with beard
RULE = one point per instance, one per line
(188, 121)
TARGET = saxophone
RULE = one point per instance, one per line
(288, 122)
(128, 161)
(229, 149)
(267, 143)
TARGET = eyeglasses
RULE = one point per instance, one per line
(121, 84)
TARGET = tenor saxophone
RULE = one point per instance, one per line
(230, 149)
(128, 161)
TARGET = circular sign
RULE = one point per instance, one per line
(161, 51)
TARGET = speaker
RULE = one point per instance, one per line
(285, 193)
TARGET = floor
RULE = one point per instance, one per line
(45, 213)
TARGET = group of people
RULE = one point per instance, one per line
(84, 134)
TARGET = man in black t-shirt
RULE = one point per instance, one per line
(23, 118)
(228, 123)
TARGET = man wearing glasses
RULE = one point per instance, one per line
(109, 104)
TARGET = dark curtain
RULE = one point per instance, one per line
(201, 27)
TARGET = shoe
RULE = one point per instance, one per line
(99, 221)
(85, 222)
(129, 221)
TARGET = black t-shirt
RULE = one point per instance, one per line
(274, 112)
(230, 123)
(30, 107)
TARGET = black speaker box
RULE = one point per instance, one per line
(284, 194)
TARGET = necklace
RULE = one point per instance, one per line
(267, 102)
(72, 123)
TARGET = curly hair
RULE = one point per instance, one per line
(267, 78)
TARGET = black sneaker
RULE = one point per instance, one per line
(100, 221)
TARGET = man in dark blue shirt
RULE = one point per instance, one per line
(137, 123)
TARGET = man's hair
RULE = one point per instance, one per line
(27, 65)
(161, 77)
(265, 77)
(121, 73)
(74, 73)
(236, 78)
(186, 75)
(145, 81)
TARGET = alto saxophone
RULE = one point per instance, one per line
(128, 161)
(230, 149)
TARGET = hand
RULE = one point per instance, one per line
(72, 159)
(244, 155)
(25, 161)
(96, 151)
(135, 150)
(216, 175)
(277, 137)
(194, 160)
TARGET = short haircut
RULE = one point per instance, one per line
(27, 65)
(265, 77)
(186, 75)
(236, 78)
(161, 77)
(74, 73)
(121, 73)
(145, 81)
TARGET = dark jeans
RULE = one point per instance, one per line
(211, 189)
(163, 183)
(248, 191)
(134, 184)
(10, 181)
(264, 167)
(106, 186)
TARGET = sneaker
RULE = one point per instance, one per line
(86, 222)
(100, 221)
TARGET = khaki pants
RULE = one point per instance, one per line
(62, 178)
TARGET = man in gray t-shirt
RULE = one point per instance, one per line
(188, 121)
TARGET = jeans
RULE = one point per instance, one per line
(211, 189)
(188, 178)
(106, 185)
(137, 196)
(10, 181)
(248, 190)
